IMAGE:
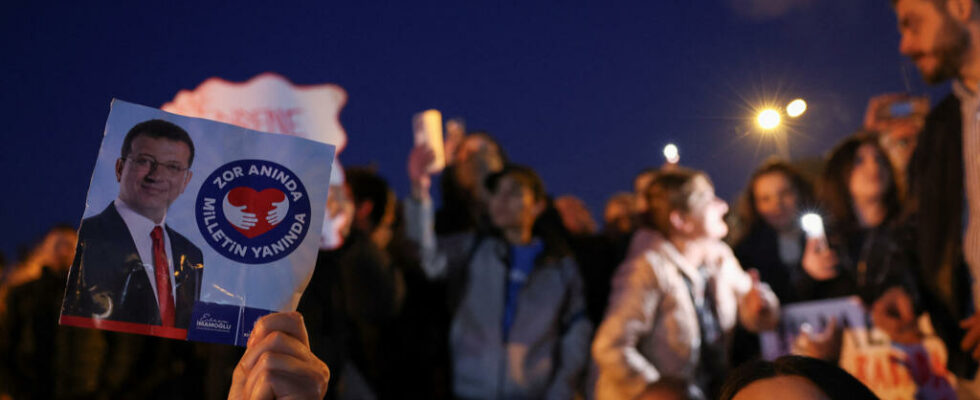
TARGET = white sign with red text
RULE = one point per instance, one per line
(268, 103)
(891, 370)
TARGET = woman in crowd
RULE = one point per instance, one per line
(773, 243)
(676, 298)
(857, 190)
(518, 326)
(859, 196)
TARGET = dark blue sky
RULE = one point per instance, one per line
(588, 95)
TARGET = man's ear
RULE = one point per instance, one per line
(678, 221)
(119, 167)
(960, 10)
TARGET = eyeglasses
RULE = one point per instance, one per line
(169, 169)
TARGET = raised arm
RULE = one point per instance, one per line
(436, 254)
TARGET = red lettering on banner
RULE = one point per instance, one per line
(896, 372)
(275, 120)
(861, 362)
(938, 365)
(879, 372)
(290, 121)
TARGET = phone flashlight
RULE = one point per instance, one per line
(671, 153)
(813, 225)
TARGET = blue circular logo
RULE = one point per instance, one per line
(253, 211)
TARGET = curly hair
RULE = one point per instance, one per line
(834, 191)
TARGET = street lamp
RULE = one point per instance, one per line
(768, 119)
(796, 108)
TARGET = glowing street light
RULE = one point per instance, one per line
(796, 108)
(768, 119)
(671, 153)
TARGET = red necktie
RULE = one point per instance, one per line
(161, 271)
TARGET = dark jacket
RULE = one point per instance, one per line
(107, 277)
(41, 360)
(352, 296)
(759, 249)
(934, 217)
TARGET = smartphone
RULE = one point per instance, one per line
(904, 107)
(427, 127)
(901, 109)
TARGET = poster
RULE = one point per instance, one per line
(193, 228)
(269, 102)
(890, 370)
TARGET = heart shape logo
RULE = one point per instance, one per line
(254, 213)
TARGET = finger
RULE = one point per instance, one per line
(238, 378)
(881, 318)
(258, 387)
(903, 305)
(832, 323)
(428, 156)
(971, 339)
(276, 386)
(286, 376)
(275, 342)
(425, 150)
(811, 244)
(829, 331)
(969, 322)
(287, 322)
(259, 376)
(754, 274)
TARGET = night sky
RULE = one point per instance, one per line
(587, 95)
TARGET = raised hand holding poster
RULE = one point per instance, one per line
(194, 228)
(891, 370)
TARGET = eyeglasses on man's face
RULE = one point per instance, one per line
(149, 163)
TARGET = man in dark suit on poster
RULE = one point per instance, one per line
(130, 268)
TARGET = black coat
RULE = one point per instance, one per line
(934, 218)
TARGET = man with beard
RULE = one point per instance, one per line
(942, 37)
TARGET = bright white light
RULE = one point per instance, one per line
(768, 119)
(813, 225)
(796, 108)
(671, 153)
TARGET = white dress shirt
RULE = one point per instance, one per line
(140, 228)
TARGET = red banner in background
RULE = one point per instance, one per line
(268, 103)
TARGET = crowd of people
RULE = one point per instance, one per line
(499, 290)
